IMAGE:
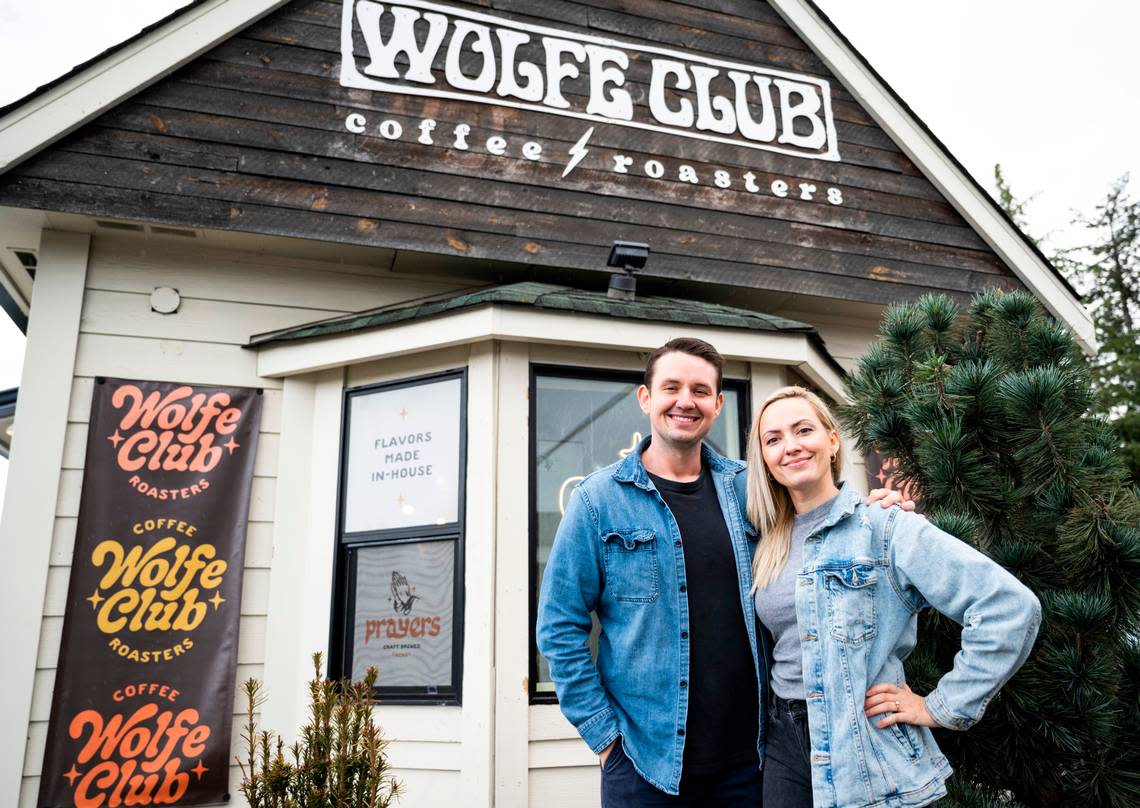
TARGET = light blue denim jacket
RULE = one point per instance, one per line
(618, 552)
(867, 571)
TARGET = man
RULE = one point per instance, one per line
(658, 547)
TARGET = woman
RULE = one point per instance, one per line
(839, 585)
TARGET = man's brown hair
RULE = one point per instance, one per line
(693, 347)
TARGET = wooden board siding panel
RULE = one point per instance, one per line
(251, 136)
(465, 210)
(452, 183)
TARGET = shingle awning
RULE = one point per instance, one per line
(545, 296)
(543, 313)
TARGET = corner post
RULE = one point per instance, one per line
(33, 485)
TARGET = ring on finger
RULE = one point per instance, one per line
(898, 708)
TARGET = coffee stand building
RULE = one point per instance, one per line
(394, 220)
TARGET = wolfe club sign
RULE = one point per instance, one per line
(143, 702)
(491, 60)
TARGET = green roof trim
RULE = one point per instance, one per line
(553, 298)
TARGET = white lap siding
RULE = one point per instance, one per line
(226, 296)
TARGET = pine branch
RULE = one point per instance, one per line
(992, 418)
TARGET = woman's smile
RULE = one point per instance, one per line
(797, 462)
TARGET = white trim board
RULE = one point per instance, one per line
(513, 324)
(938, 166)
(48, 117)
(28, 520)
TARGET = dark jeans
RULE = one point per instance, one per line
(787, 756)
(623, 787)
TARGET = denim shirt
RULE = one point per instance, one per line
(867, 572)
(618, 553)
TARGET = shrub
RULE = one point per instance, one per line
(339, 760)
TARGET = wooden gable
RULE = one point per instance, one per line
(261, 134)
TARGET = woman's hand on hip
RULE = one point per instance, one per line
(897, 705)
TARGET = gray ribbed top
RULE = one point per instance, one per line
(776, 608)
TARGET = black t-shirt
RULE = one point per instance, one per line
(723, 710)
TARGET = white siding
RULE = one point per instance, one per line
(846, 337)
(444, 754)
(226, 297)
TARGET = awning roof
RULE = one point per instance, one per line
(544, 313)
(547, 296)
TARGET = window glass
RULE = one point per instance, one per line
(397, 594)
(404, 613)
(583, 423)
(403, 457)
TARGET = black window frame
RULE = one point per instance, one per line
(347, 544)
(743, 389)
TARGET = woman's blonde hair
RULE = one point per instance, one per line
(770, 506)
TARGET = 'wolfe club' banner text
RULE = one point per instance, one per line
(143, 700)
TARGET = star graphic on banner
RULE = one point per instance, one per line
(72, 775)
(116, 439)
(400, 499)
(403, 413)
(199, 770)
(217, 600)
(231, 444)
(95, 599)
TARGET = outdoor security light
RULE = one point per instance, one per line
(626, 256)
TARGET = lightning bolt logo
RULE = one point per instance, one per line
(578, 152)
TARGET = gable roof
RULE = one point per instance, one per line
(51, 84)
(46, 117)
(60, 107)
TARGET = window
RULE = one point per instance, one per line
(582, 421)
(398, 593)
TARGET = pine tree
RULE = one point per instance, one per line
(1112, 281)
(1015, 207)
(987, 415)
(1107, 271)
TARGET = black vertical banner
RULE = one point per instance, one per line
(144, 688)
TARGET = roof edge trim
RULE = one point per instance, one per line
(48, 116)
(494, 321)
(938, 165)
(543, 296)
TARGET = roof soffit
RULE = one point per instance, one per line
(515, 323)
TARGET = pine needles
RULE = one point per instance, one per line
(339, 760)
(987, 417)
